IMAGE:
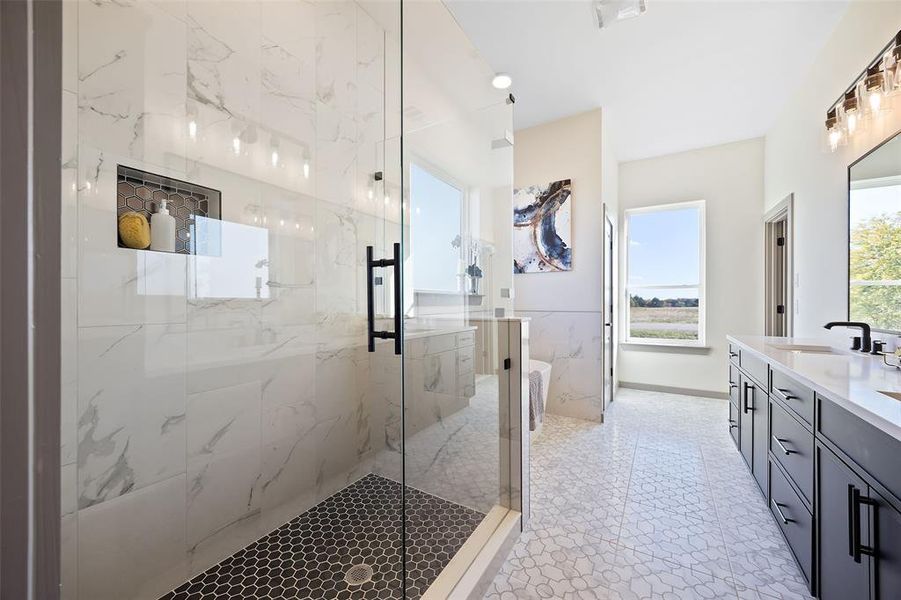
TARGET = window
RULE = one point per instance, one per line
(436, 223)
(665, 274)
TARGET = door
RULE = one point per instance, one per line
(609, 351)
(760, 415)
(887, 544)
(842, 530)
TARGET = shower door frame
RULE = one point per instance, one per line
(30, 142)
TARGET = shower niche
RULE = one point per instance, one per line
(195, 208)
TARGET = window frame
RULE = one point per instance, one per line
(701, 342)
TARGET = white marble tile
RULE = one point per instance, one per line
(337, 255)
(133, 546)
(131, 87)
(119, 286)
(69, 532)
(223, 542)
(70, 46)
(223, 421)
(335, 166)
(68, 371)
(224, 57)
(336, 55)
(575, 388)
(223, 489)
(69, 186)
(370, 51)
(131, 403)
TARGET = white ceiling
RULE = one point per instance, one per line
(684, 75)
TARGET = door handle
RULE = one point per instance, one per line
(371, 265)
(785, 520)
(746, 408)
(787, 394)
(855, 548)
(782, 446)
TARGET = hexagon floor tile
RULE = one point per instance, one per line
(309, 556)
(656, 503)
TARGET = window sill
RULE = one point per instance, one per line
(674, 346)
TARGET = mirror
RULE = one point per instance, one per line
(874, 237)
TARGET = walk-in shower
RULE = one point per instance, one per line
(228, 429)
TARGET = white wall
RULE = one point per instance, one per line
(796, 162)
(730, 179)
(566, 307)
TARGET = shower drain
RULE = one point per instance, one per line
(358, 575)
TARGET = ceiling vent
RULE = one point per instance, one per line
(610, 11)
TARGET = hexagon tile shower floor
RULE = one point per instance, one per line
(310, 556)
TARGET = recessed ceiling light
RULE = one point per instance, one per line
(502, 81)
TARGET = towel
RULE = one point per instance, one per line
(536, 405)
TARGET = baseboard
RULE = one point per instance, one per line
(668, 389)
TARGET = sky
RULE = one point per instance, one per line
(663, 250)
(871, 202)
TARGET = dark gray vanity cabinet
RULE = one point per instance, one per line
(748, 422)
(840, 575)
(831, 479)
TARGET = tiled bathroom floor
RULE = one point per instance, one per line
(308, 557)
(655, 503)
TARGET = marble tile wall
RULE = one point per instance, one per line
(206, 400)
(572, 343)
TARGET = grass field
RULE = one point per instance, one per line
(664, 323)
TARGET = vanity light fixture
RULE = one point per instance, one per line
(875, 87)
(867, 97)
(502, 81)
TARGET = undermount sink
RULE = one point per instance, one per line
(895, 395)
(805, 348)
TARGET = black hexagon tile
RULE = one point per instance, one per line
(310, 556)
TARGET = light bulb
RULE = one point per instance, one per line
(852, 122)
(192, 129)
(236, 145)
(501, 81)
(370, 194)
(387, 199)
(835, 136)
(297, 226)
(875, 101)
(281, 222)
(275, 158)
(306, 168)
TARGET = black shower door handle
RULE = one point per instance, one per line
(371, 265)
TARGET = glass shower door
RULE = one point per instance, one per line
(457, 228)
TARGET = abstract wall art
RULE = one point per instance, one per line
(542, 228)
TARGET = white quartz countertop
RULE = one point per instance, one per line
(852, 380)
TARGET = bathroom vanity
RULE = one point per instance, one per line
(820, 429)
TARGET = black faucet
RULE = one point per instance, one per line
(865, 342)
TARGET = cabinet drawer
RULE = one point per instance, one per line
(467, 338)
(734, 387)
(733, 353)
(464, 362)
(734, 427)
(755, 367)
(792, 446)
(793, 519)
(874, 450)
(798, 397)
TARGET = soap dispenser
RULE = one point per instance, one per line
(162, 230)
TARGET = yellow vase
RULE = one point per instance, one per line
(134, 230)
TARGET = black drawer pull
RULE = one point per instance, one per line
(785, 520)
(732, 424)
(787, 394)
(855, 548)
(748, 407)
(782, 446)
(732, 386)
(733, 354)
